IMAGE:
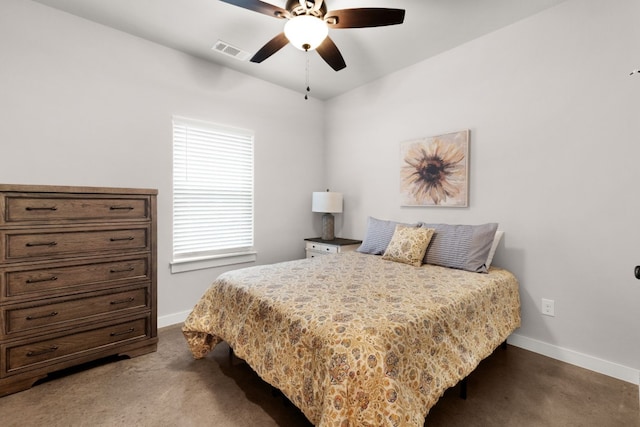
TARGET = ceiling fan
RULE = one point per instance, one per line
(308, 24)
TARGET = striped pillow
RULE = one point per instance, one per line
(379, 234)
(461, 246)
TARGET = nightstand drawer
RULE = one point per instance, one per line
(320, 247)
(317, 247)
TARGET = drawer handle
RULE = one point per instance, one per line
(113, 270)
(52, 208)
(48, 279)
(116, 239)
(123, 208)
(30, 245)
(122, 301)
(52, 314)
(128, 331)
(41, 352)
(327, 249)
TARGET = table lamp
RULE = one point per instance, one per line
(328, 203)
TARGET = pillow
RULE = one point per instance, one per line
(379, 234)
(408, 245)
(494, 246)
(465, 247)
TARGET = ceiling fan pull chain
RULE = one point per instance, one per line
(306, 95)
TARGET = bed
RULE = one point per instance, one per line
(354, 339)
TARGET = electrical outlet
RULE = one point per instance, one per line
(548, 307)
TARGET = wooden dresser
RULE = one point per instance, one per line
(77, 278)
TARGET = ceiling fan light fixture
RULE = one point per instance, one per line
(306, 32)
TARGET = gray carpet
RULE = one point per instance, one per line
(513, 387)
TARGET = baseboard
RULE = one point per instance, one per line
(172, 319)
(595, 364)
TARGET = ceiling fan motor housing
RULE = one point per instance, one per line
(315, 8)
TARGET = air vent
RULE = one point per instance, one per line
(229, 50)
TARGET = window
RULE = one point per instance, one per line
(212, 195)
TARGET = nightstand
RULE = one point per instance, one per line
(315, 246)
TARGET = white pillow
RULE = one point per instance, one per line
(494, 246)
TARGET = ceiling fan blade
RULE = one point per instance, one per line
(260, 7)
(364, 17)
(272, 46)
(330, 53)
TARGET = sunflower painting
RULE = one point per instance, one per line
(434, 171)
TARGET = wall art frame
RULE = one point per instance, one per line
(434, 171)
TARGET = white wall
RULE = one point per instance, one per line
(555, 127)
(82, 104)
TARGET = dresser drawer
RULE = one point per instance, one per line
(46, 316)
(319, 247)
(28, 245)
(47, 280)
(30, 355)
(34, 207)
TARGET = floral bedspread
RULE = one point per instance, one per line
(354, 340)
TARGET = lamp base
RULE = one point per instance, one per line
(328, 227)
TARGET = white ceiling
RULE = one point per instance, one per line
(194, 26)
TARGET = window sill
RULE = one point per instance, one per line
(191, 264)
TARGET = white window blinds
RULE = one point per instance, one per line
(212, 190)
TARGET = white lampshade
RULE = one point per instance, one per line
(326, 202)
(306, 31)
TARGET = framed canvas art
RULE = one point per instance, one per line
(434, 171)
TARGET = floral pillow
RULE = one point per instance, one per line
(408, 245)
